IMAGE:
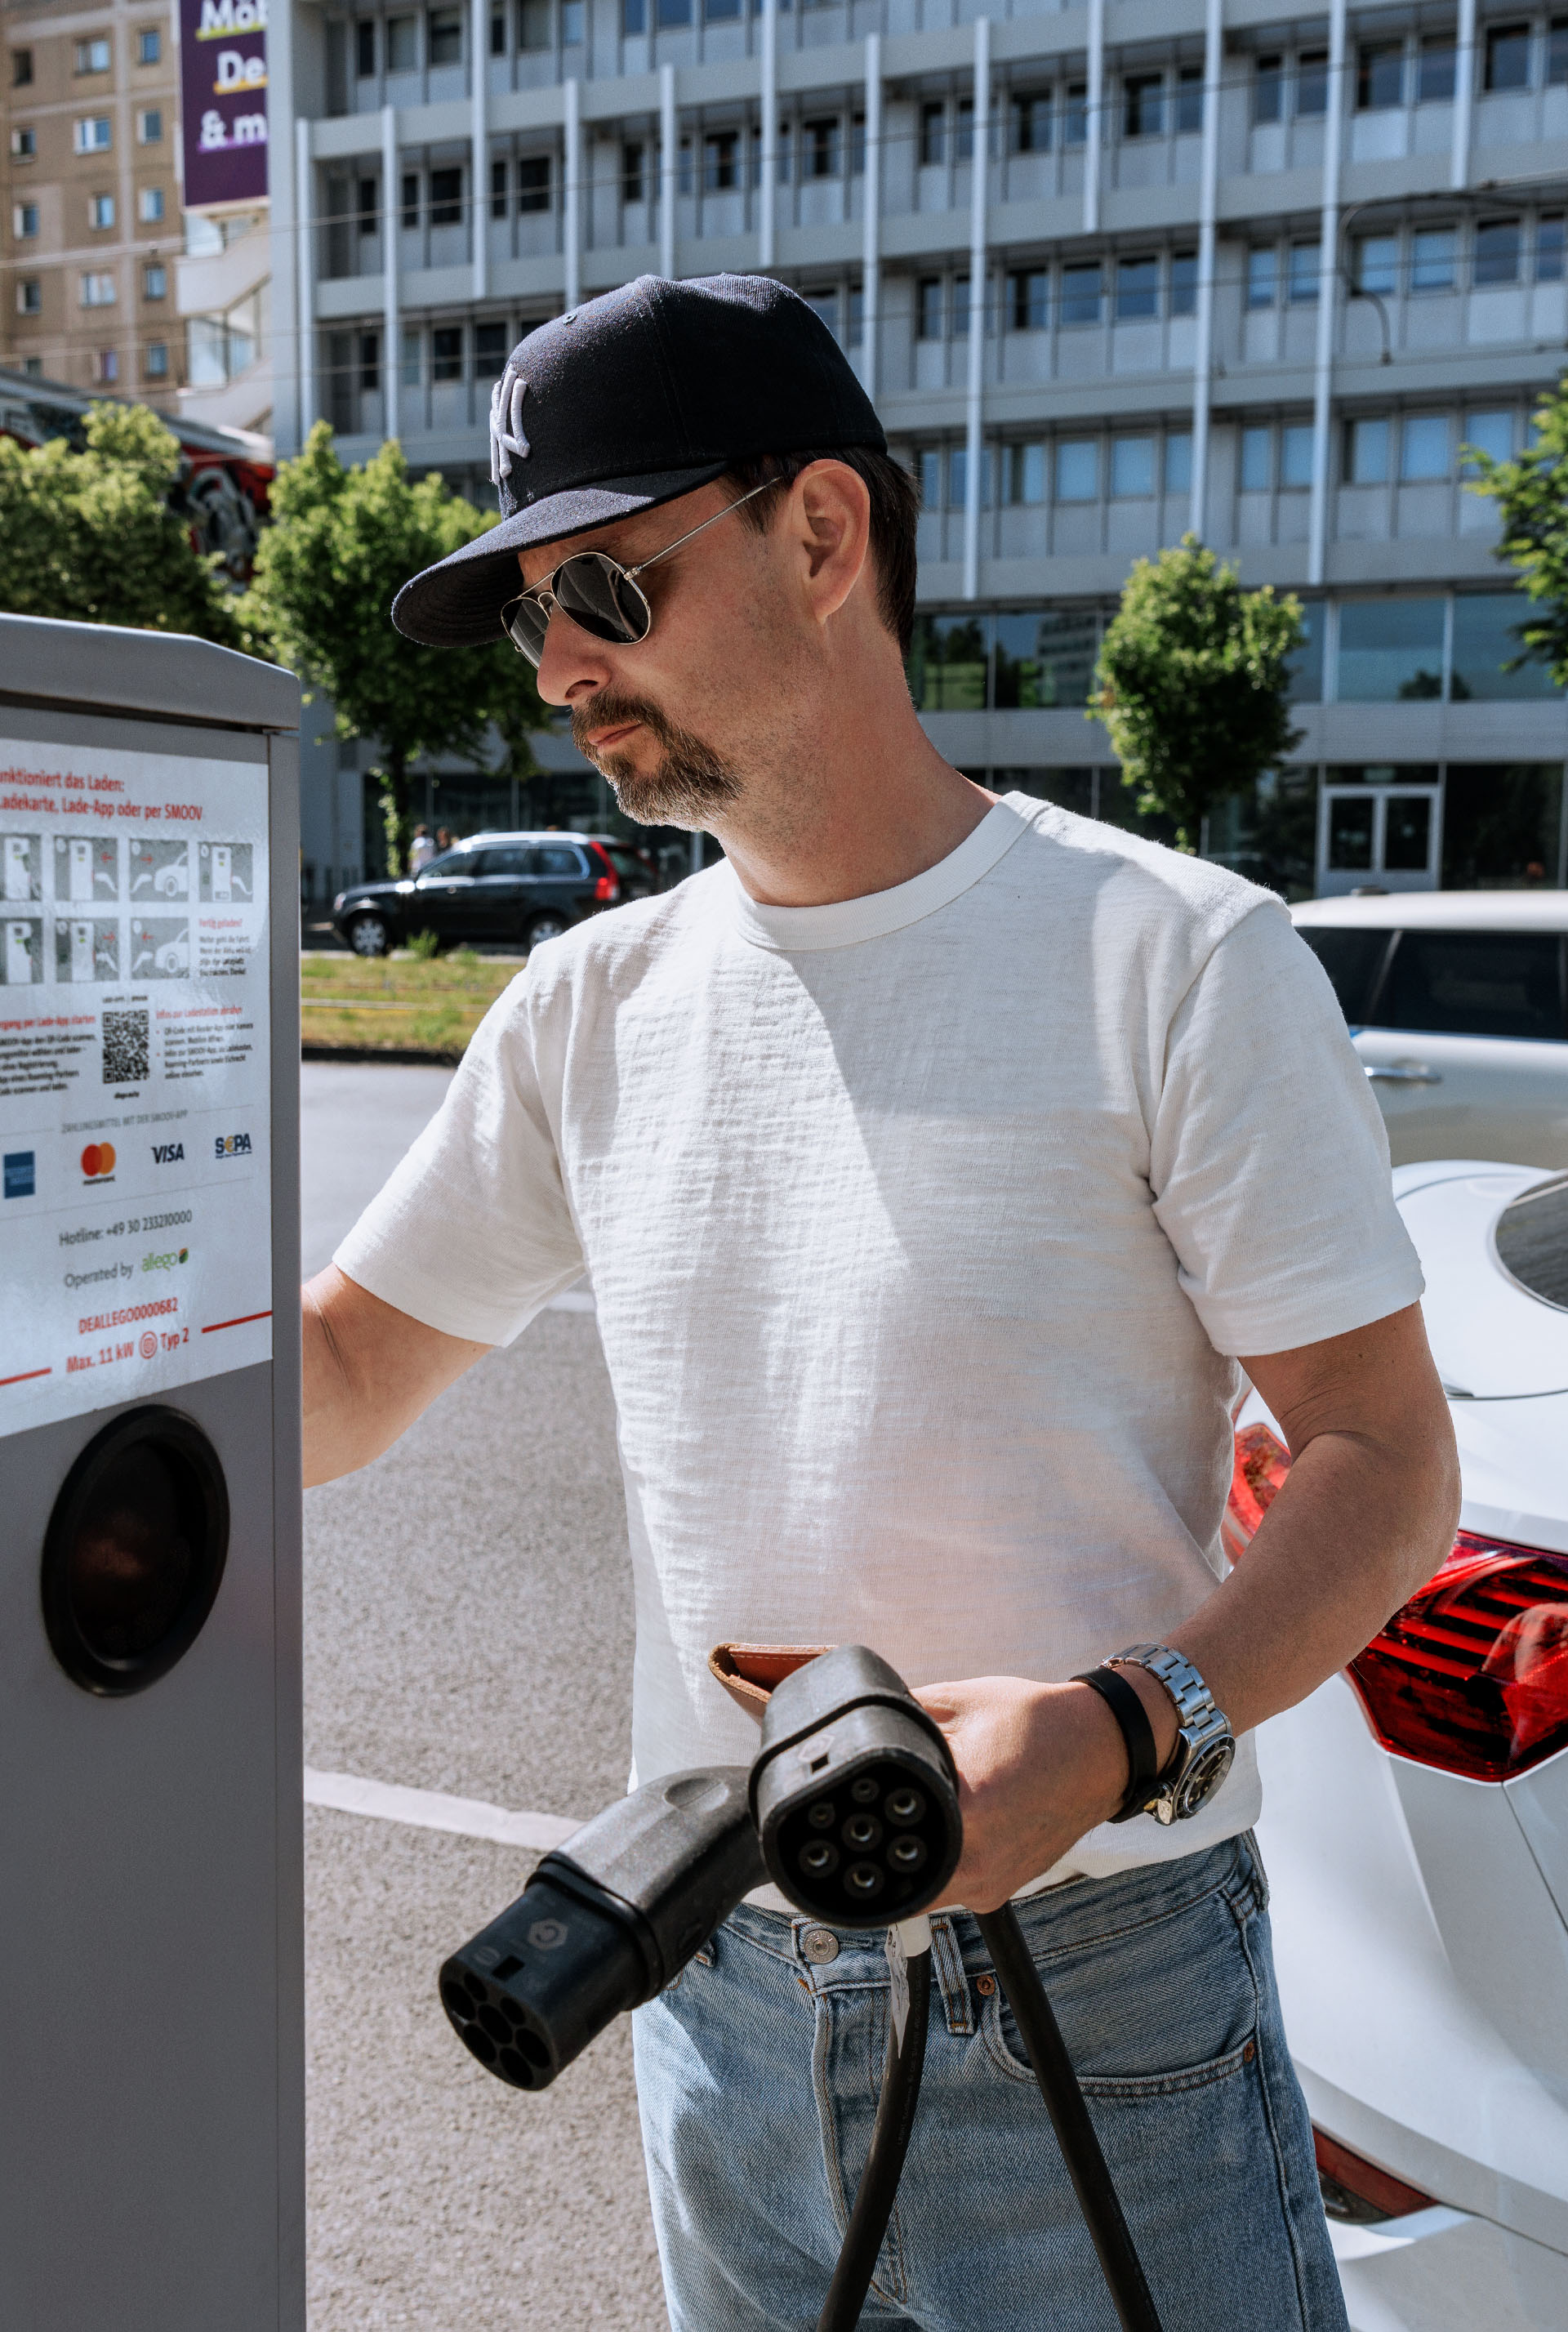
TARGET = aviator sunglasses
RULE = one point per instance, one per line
(598, 593)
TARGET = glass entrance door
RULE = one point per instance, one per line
(1384, 837)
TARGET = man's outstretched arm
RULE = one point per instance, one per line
(369, 1371)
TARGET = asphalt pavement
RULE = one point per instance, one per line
(468, 1630)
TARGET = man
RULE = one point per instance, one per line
(421, 850)
(933, 1157)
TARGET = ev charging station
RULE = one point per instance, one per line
(151, 2009)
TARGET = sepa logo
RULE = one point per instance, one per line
(97, 1162)
(231, 1145)
(21, 1181)
(167, 1153)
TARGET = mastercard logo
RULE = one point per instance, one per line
(98, 1160)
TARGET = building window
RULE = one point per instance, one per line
(30, 296)
(445, 36)
(825, 303)
(365, 48)
(720, 11)
(447, 198)
(934, 133)
(928, 308)
(634, 169)
(1144, 105)
(92, 56)
(93, 135)
(1390, 650)
(1137, 289)
(1508, 57)
(1549, 247)
(149, 206)
(1424, 448)
(498, 33)
(98, 292)
(634, 18)
(1489, 433)
(573, 23)
(928, 471)
(533, 182)
(402, 44)
(1184, 283)
(1262, 275)
(1131, 468)
(1435, 69)
(108, 364)
(533, 31)
(1076, 119)
(720, 162)
(1178, 461)
(1295, 454)
(498, 175)
(101, 210)
(410, 208)
(1027, 473)
(1432, 255)
(1557, 51)
(961, 307)
(1301, 282)
(21, 68)
(411, 364)
(446, 352)
(155, 280)
(1367, 453)
(1379, 80)
(1189, 101)
(156, 360)
(25, 221)
(1311, 84)
(1497, 251)
(1377, 264)
(149, 126)
(963, 131)
(822, 147)
(1077, 469)
(1256, 462)
(149, 45)
(23, 145)
(1081, 294)
(1031, 123)
(1269, 89)
(1031, 301)
(366, 205)
(489, 346)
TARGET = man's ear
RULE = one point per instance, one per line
(829, 516)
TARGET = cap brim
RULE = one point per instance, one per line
(457, 603)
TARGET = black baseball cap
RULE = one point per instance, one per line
(627, 402)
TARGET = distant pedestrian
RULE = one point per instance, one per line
(421, 851)
(444, 839)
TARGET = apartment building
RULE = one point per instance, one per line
(90, 211)
(1111, 270)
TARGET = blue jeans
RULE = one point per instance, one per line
(757, 2073)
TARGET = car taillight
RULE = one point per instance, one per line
(606, 890)
(1357, 2192)
(1471, 1676)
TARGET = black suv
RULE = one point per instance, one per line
(496, 890)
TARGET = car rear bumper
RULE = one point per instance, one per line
(1441, 2270)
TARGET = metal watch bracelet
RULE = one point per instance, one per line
(1205, 1745)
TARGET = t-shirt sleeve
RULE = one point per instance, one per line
(473, 1233)
(1269, 1160)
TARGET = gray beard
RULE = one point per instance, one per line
(691, 782)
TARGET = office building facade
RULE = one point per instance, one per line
(1111, 272)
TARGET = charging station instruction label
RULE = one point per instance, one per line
(135, 1052)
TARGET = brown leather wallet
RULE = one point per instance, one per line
(748, 1672)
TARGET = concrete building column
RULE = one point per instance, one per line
(1464, 94)
(768, 192)
(391, 332)
(479, 146)
(974, 415)
(1094, 122)
(1327, 297)
(1208, 212)
(871, 222)
(571, 206)
(305, 277)
(669, 158)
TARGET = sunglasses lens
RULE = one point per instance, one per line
(595, 593)
(526, 622)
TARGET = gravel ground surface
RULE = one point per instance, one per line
(468, 1629)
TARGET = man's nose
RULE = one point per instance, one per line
(572, 663)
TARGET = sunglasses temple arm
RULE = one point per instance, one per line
(695, 531)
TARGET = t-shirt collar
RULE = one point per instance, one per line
(798, 930)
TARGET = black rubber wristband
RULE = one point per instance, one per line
(1137, 1735)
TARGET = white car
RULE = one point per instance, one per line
(1458, 1004)
(1415, 1827)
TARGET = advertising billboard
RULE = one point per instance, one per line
(223, 101)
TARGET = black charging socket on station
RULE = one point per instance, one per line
(854, 1792)
(606, 1922)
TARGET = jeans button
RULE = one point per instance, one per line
(819, 1945)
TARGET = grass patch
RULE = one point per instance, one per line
(408, 999)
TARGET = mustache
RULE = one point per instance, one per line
(614, 708)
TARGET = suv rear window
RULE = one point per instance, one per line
(556, 858)
(1475, 984)
(1352, 957)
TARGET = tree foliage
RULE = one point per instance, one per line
(1532, 499)
(341, 543)
(90, 538)
(1191, 684)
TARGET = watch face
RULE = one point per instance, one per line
(1203, 1777)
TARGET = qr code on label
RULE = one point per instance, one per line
(125, 1049)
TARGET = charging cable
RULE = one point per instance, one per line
(909, 1969)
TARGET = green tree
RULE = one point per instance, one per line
(1532, 499)
(341, 544)
(1191, 684)
(89, 537)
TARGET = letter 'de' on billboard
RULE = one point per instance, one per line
(223, 100)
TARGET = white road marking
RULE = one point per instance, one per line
(347, 1793)
(576, 1299)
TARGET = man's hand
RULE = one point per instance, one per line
(1366, 1515)
(369, 1371)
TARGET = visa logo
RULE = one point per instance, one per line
(164, 1153)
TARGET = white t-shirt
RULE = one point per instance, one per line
(921, 1228)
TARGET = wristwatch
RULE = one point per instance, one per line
(1205, 1747)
